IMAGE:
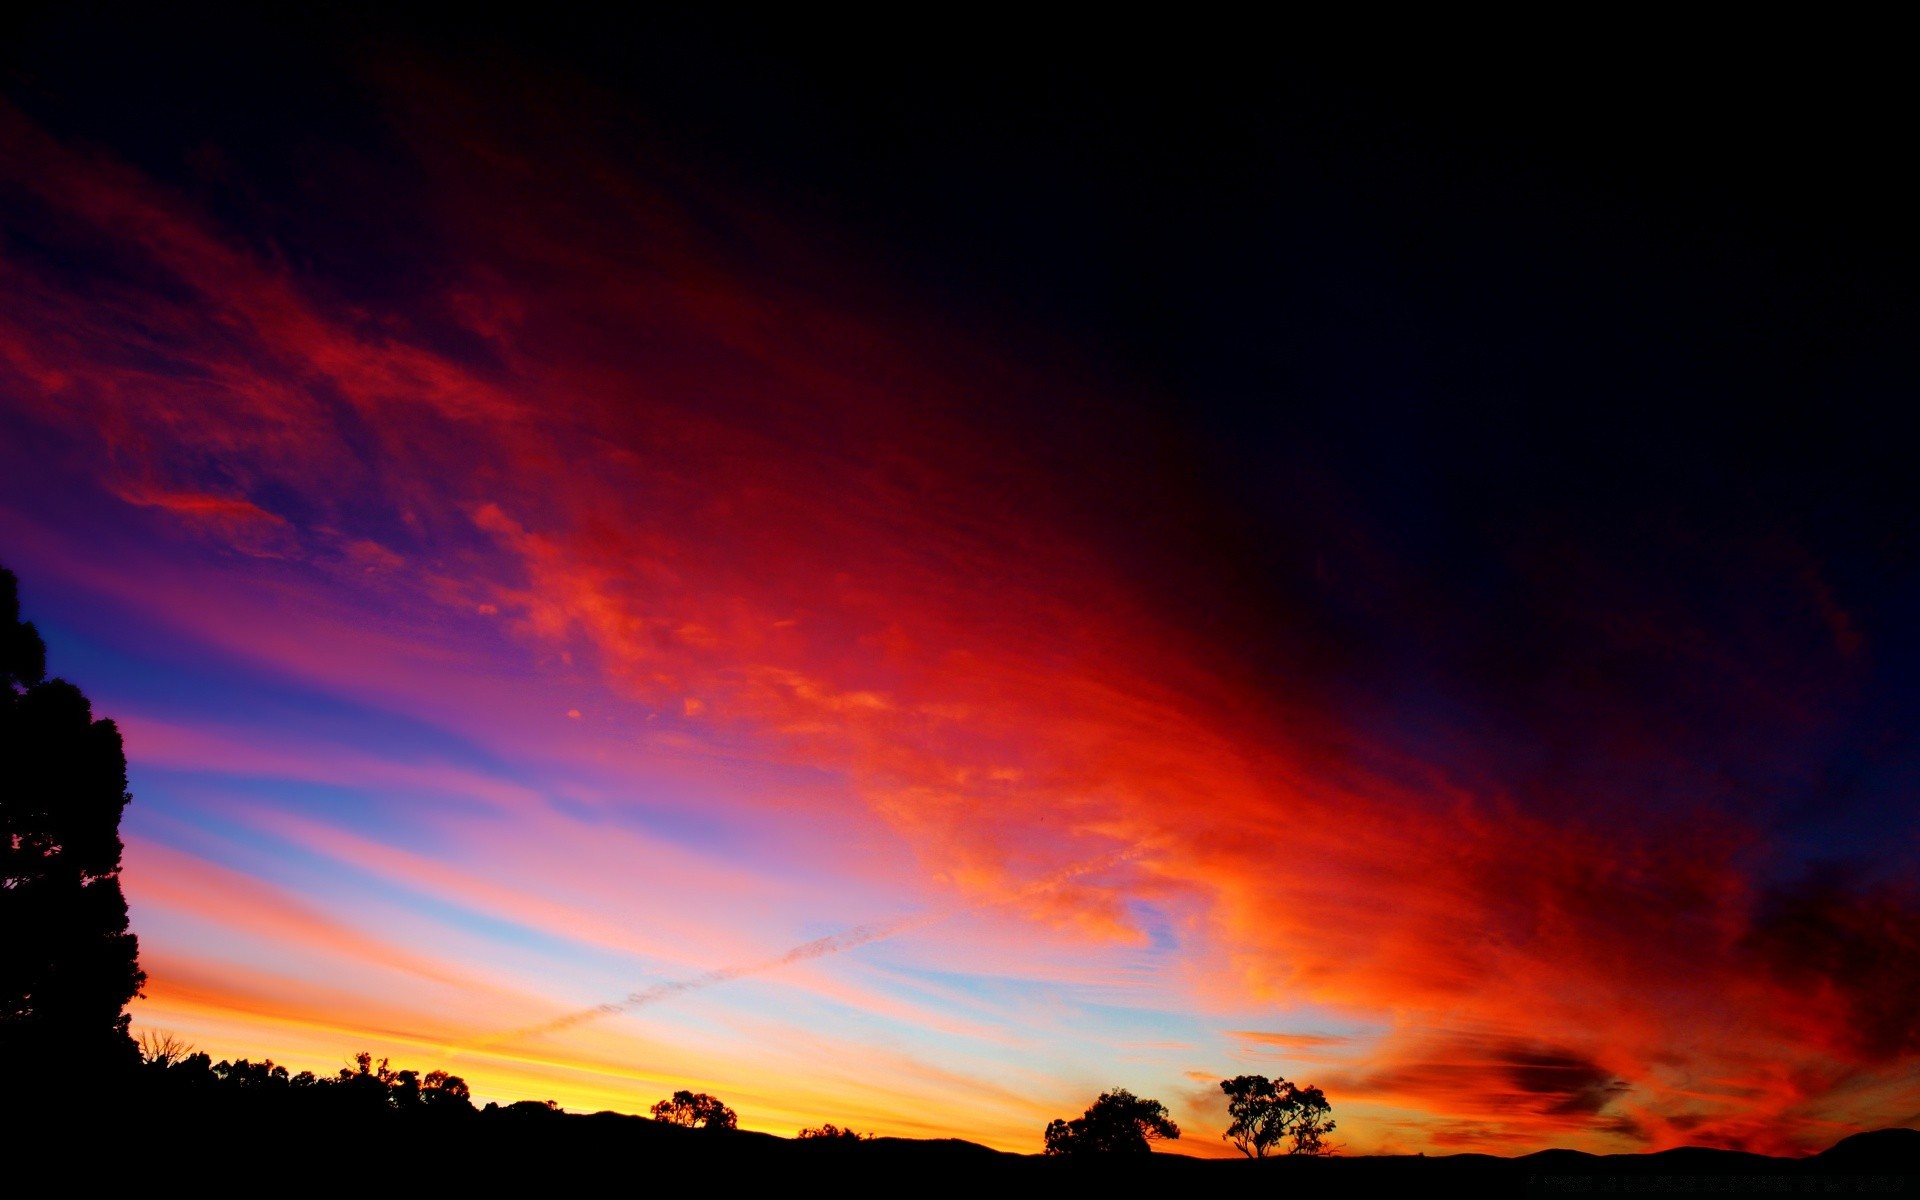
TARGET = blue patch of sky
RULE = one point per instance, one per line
(342, 889)
(1152, 920)
(994, 996)
(665, 810)
(158, 675)
(771, 996)
(123, 662)
(689, 814)
(382, 817)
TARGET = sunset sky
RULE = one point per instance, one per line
(1011, 567)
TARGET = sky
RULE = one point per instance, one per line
(909, 589)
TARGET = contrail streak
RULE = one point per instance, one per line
(859, 935)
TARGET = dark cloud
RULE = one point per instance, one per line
(1853, 942)
(1575, 1085)
(1493, 1075)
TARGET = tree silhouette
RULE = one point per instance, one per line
(252, 1076)
(159, 1049)
(374, 1084)
(68, 965)
(441, 1092)
(1267, 1113)
(695, 1110)
(366, 1083)
(1313, 1124)
(1119, 1122)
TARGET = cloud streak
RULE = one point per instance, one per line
(820, 947)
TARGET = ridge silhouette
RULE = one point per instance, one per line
(379, 1121)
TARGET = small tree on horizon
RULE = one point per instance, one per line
(695, 1110)
(1119, 1122)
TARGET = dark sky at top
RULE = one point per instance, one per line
(1560, 375)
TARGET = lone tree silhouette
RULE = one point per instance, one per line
(1119, 1122)
(695, 1110)
(68, 965)
(1267, 1113)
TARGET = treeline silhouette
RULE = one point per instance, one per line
(171, 1071)
(368, 1121)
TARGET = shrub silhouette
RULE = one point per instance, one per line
(365, 1087)
(830, 1132)
(441, 1092)
(159, 1049)
(376, 1085)
(68, 964)
(695, 1110)
(1119, 1122)
(1267, 1113)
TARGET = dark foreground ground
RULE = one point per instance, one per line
(234, 1147)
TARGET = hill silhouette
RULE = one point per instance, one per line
(1873, 1151)
(259, 1132)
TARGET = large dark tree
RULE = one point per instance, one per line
(68, 965)
(1119, 1122)
(696, 1110)
(1268, 1113)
